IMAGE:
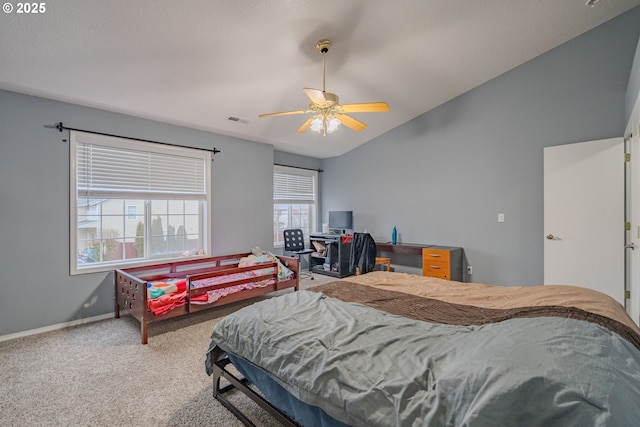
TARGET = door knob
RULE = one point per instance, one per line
(631, 246)
(550, 236)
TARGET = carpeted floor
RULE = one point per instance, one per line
(99, 374)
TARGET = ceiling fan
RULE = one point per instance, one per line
(329, 114)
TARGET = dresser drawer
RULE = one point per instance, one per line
(436, 255)
(436, 269)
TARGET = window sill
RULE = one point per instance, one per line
(111, 267)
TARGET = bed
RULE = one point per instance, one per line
(157, 292)
(384, 349)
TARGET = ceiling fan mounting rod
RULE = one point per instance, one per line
(323, 74)
(323, 47)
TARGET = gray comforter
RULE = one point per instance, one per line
(366, 367)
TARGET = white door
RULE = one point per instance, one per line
(584, 216)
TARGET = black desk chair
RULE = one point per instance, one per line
(294, 243)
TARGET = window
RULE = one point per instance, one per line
(132, 212)
(134, 202)
(295, 199)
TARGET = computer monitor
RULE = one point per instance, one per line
(341, 222)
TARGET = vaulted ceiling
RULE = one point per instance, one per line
(200, 63)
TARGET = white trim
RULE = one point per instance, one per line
(56, 327)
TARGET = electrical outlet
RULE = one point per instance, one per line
(469, 269)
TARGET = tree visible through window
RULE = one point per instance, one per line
(134, 201)
(295, 193)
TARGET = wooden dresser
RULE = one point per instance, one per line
(444, 262)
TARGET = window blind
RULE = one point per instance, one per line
(291, 187)
(139, 169)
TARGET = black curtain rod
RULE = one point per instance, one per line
(62, 127)
(298, 167)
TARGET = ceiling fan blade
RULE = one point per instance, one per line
(305, 126)
(367, 107)
(316, 96)
(285, 113)
(350, 122)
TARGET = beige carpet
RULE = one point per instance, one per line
(99, 374)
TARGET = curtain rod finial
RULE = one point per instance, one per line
(58, 126)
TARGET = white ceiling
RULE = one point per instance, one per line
(196, 63)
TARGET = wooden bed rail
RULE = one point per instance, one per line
(272, 275)
(131, 285)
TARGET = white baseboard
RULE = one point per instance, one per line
(56, 327)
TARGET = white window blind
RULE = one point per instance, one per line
(138, 169)
(293, 186)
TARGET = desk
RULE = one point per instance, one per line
(335, 260)
(402, 248)
(447, 264)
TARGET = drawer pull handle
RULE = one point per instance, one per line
(435, 266)
(435, 255)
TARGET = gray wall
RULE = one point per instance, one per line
(35, 286)
(444, 177)
(633, 90)
(296, 160)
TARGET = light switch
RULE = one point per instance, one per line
(500, 217)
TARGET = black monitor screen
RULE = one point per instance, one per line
(341, 220)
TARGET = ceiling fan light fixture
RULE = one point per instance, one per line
(317, 124)
(333, 124)
(324, 124)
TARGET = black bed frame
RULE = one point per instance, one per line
(242, 384)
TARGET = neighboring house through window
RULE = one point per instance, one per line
(132, 212)
(135, 202)
(295, 201)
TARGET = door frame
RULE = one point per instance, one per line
(632, 214)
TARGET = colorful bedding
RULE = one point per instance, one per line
(164, 295)
(216, 294)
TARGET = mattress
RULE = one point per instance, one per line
(395, 349)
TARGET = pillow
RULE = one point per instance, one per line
(244, 261)
(283, 272)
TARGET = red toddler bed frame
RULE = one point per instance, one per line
(131, 284)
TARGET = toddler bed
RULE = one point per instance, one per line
(157, 292)
(393, 349)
